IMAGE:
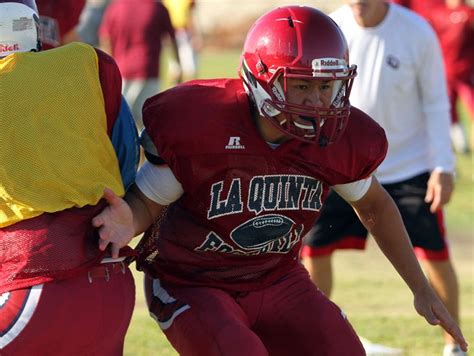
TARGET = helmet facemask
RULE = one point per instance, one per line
(313, 124)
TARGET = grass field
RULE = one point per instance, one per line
(377, 302)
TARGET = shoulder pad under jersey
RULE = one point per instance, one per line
(151, 153)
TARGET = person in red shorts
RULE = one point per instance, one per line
(237, 171)
(66, 134)
(135, 42)
(58, 21)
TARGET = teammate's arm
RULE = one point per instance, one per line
(155, 188)
(124, 218)
(379, 214)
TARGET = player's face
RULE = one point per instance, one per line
(367, 12)
(313, 93)
(310, 92)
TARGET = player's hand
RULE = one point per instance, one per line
(428, 305)
(440, 188)
(114, 223)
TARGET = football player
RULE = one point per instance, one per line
(66, 133)
(237, 171)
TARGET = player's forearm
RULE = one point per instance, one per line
(144, 211)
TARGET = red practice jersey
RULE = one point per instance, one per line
(455, 30)
(246, 206)
(135, 30)
(422, 7)
(57, 18)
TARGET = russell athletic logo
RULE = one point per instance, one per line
(234, 144)
(9, 48)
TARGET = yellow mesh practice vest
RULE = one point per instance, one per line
(54, 149)
(179, 12)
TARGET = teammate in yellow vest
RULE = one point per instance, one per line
(188, 38)
(66, 135)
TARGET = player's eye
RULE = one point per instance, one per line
(325, 86)
(302, 86)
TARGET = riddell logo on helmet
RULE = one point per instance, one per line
(323, 63)
(9, 48)
(329, 62)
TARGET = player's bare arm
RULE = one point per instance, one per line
(125, 218)
(380, 216)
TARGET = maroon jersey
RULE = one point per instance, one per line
(246, 206)
(455, 30)
(422, 7)
(57, 18)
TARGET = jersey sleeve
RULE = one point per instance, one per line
(353, 191)
(111, 83)
(120, 124)
(159, 184)
(125, 142)
(362, 151)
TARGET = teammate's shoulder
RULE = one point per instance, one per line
(104, 57)
(195, 95)
(195, 104)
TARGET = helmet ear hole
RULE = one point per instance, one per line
(261, 67)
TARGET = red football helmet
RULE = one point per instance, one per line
(19, 27)
(298, 42)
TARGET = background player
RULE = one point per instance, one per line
(58, 21)
(188, 38)
(136, 44)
